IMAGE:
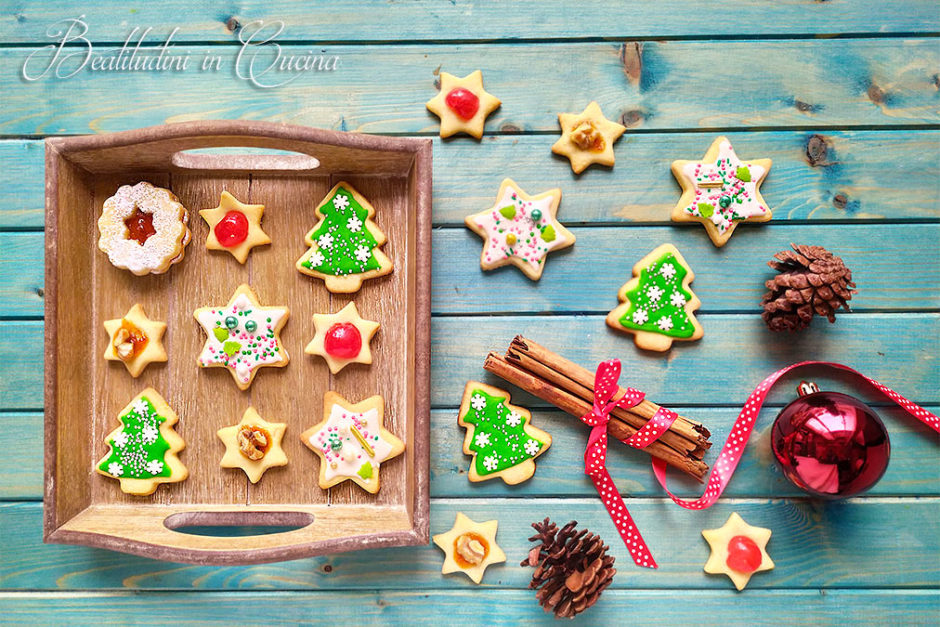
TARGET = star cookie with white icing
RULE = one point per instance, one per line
(135, 340)
(738, 550)
(242, 336)
(342, 338)
(254, 445)
(520, 229)
(234, 227)
(587, 137)
(469, 547)
(462, 104)
(352, 442)
(721, 191)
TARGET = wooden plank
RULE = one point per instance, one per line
(814, 544)
(823, 83)
(913, 469)
(467, 606)
(736, 343)
(852, 175)
(360, 20)
(460, 287)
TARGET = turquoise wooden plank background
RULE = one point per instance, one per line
(842, 95)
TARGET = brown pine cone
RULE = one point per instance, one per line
(812, 281)
(572, 568)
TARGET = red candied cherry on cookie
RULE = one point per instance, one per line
(743, 555)
(232, 229)
(463, 102)
(343, 341)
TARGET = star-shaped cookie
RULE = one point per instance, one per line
(520, 229)
(738, 550)
(242, 336)
(235, 227)
(135, 340)
(254, 445)
(462, 104)
(469, 547)
(352, 441)
(587, 137)
(342, 338)
(721, 191)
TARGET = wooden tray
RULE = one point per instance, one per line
(84, 393)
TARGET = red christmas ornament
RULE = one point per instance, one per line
(343, 340)
(829, 444)
(232, 229)
(463, 102)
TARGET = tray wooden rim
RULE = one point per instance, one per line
(58, 148)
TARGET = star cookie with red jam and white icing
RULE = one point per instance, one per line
(342, 338)
(469, 547)
(462, 104)
(587, 137)
(352, 442)
(738, 550)
(721, 191)
(253, 444)
(242, 336)
(135, 340)
(234, 227)
(520, 229)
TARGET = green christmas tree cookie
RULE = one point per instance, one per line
(657, 303)
(499, 436)
(344, 245)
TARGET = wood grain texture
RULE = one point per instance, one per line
(821, 83)
(814, 545)
(428, 20)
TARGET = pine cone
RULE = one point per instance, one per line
(572, 568)
(812, 281)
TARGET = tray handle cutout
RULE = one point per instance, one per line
(232, 158)
(237, 524)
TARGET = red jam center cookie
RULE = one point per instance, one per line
(343, 340)
(140, 226)
(232, 230)
(744, 555)
(463, 102)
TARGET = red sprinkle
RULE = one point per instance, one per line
(463, 102)
(343, 340)
(232, 229)
(744, 555)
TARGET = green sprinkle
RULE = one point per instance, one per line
(220, 334)
(548, 233)
(706, 209)
(231, 347)
(509, 211)
(743, 174)
(365, 471)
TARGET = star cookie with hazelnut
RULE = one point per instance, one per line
(587, 137)
(738, 550)
(469, 547)
(352, 441)
(520, 229)
(721, 191)
(462, 104)
(254, 445)
(135, 340)
(342, 338)
(235, 227)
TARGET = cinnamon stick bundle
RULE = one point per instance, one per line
(570, 387)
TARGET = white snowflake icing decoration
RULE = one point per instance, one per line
(532, 447)
(340, 202)
(654, 293)
(664, 323)
(513, 419)
(677, 300)
(120, 439)
(667, 270)
(362, 253)
(482, 440)
(149, 434)
(325, 241)
(354, 224)
(141, 408)
(317, 259)
(640, 316)
(490, 462)
(115, 469)
(154, 467)
(478, 402)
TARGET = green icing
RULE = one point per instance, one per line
(365, 471)
(743, 174)
(220, 333)
(509, 212)
(231, 347)
(497, 442)
(646, 313)
(548, 233)
(139, 447)
(706, 209)
(339, 258)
